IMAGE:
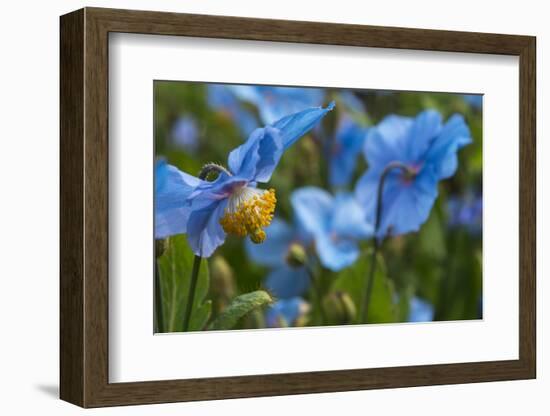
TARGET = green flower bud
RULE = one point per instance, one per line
(339, 308)
(222, 282)
(160, 247)
(296, 255)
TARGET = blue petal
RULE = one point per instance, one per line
(285, 310)
(349, 219)
(272, 252)
(258, 156)
(387, 142)
(406, 206)
(335, 253)
(296, 125)
(442, 154)
(427, 125)
(204, 231)
(286, 281)
(348, 143)
(365, 192)
(172, 188)
(420, 311)
(312, 208)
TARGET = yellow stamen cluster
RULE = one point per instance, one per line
(248, 211)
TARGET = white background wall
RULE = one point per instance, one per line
(29, 155)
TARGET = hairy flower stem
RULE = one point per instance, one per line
(315, 282)
(158, 301)
(376, 245)
(191, 295)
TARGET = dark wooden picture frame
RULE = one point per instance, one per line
(84, 207)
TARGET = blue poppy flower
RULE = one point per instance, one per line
(428, 148)
(185, 134)
(274, 102)
(348, 142)
(475, 100)
(285, 312)
(420, 311)
(232, 203)
(222, 99)
(467, 212)
(285, 280)
(335, 224)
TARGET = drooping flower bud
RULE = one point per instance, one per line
(339, 308)
(222, 282)
(296, 255)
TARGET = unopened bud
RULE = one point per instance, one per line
(339, 308)
(160, 247)
(296, 255)
(222, 282)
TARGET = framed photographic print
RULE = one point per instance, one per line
(259, 207)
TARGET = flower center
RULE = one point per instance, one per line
(248, 211)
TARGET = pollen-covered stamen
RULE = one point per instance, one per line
(248, 211)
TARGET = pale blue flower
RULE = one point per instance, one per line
(274, 102)
(222, 99)
(348, 143)
(428, 148)
(336, 224)
(185, 134)
(231, 203)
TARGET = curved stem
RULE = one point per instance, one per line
(191, 295)
(372, 270)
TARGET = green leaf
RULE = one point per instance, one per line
(353, 280)
(175, 267)
(239, 307)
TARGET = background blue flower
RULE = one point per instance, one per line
(348, 142)
(285, 312)
(466, 212)
(222, 99)
(276, 102)
(429, 150)
(335, 223)
(283, 280)
(420, 310)
(185, 134)
(475, 100)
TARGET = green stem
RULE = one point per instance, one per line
(191, 295)
(372, 270)
(370, 283)
(158, 301)
(318, 292)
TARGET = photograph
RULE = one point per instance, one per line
(296, 207)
